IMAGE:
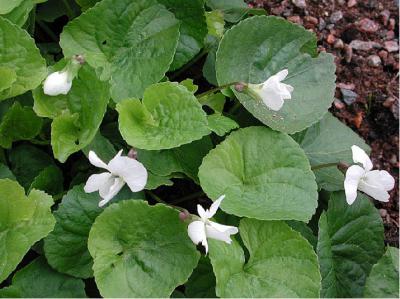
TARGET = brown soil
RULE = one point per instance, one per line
(373, 114)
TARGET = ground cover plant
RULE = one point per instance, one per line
(175, 148)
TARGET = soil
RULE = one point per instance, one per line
(367, 90)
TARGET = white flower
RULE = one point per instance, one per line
(57, 83)
(121, 170)
(202, 229)
(272, 92)
(375, 183)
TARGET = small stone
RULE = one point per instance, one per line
(299, 3)
(348, 53)
(349, 96)
(392, 24)
(330, 39)
(383, 54)
(368, 26)
(322, 24)
(349, 86)
(389, 102)
(389, 35)
(338, 104)
(383, 212)
(338, 44)
(364, 46)
(374, 60)
(385, 15)
(351, 3)
(294, 19)
(395, 109)
(391, 46)
(336, 17)
(310, 19)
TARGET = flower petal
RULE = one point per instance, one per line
(57, 83)
(197, 233)
(353, 176)
(380, 178)
(96, 161)
(202, 213)
(96, 181)
(376, 192)
(130, 170)
(360, 156)
(271, 98)
(214, 207)
(220, 232)
(282, 74)
(109, 191)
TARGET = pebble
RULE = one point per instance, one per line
(311, 20)
(368, 26)
(389, 102)
(330, 39)
(348, 53)
(391, 46)
(349, 86)
(351, 3)
(389, 35)
(383, 54)
(392, 24)
(338, 104)
(299, 3)
(374, 60)
(322, 24)
(385, 15)
(294, 19)
(383, 212)
(336, 17)
(338, 44)
(364, 46)
(349, 96)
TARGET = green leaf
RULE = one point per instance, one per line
(5, 172)
(134, 51)
(304, 230)
(19, 123)
(281, 264)
(383, 281)
(168, 117)
(216, 101)
(102, 147)
(330, 141)
(215, 23)
(260, 47)
(233, 10)
(24, 220)
(27, 162)
(66, 246)
(201, 283)
(350, 241)
(38, 280)
(220, 124)
(49, 180)
(193, 28)
(264, 175)
(19, 54)
(8, 5)
(20, 10)
(135, 256)
(154, 181)
(86, 4)
(184, 159)
(7, 78)
(77, 115)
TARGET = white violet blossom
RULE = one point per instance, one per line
(57, 83)
(200, 230)
(272, 92)
(375, 183)
(120, 170)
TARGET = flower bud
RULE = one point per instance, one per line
(240, 86)
(132, 153)
(57, 83)
(184, 215)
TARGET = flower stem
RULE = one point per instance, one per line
(159, 200)
(212, 90)
(189, 197)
